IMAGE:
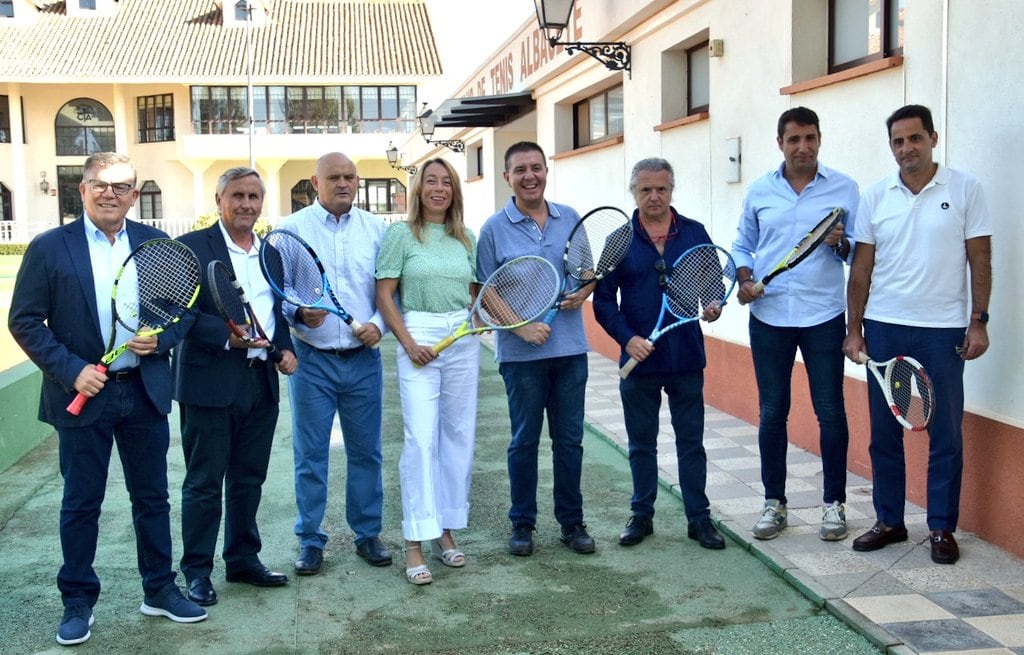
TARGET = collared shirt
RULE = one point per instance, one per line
(347, 246)
(627, 302)
(246, 266)
(106, 259)
(920, 272)
(774, 220)
(509, 234)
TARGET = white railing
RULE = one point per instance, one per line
(174, 227)
(7, 231)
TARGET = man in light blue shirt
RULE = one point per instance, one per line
(802, 308)
(544, 367)
(340, 372)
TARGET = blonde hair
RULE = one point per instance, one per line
(454, 225)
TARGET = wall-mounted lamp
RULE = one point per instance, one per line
(44, 186)
(553, 18)
(427, 130)
(392, 154)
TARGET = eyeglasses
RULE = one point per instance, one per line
(663, 273)
(119, 188)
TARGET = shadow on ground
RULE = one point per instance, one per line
(665, 596)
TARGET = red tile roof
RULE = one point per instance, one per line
(301, 41)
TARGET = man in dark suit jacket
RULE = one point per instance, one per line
(228, 392)
(60, 315)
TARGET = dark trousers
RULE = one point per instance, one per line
(141, 433)
(555, 387)
(226, 448)
(935, 348)
(641, 403)
(774, 350)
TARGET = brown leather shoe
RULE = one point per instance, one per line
(879, 536)
(944, 548)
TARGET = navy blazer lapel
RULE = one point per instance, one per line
(218, 249)
(78, 254)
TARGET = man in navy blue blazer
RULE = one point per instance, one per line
(228, 392)
(60, 315)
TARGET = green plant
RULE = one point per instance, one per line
(261, 228)
(13, 248)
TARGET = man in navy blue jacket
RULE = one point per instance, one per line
(61, 317)
(675, 365)
(228, 391)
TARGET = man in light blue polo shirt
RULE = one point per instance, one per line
(544, 367)
(803, 308)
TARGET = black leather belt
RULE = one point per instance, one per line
(256, 362)
(341, 352)
(124, 374)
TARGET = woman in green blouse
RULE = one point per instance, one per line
(430, 260)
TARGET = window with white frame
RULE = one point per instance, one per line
(861, 31)
(598, 118)
(155, 117)
(475, 160)
(6, 9)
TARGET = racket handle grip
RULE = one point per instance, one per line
(76, 405)
(627, 368)
(355, 325)
(758, 287)
(862, 357)
(443, 343)
(274, 354)
(549, 318)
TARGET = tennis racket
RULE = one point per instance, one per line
(804, 248)
(519, 292)
(155, 287)
(297, 275)
(234, 307)
(703, 275)
(596, 245)
(906, 388)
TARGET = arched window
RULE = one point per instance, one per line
(84, 127)
(150, 202)
(302, 195)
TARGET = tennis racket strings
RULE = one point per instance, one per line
(518, 292)
(605, 235)
(158, 285)
(294, 272)
(703, 276)
(910, 391)
(225, 294)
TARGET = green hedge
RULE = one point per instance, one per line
(13, 248)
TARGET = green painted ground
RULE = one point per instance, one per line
(666, 596)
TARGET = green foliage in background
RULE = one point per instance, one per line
(13, 248)
(261, 228)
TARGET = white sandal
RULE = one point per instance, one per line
(419, 575)
(452, 557)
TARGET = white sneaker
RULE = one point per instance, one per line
(772, 521)
(833, 522)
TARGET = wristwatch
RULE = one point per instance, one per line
(981, 317)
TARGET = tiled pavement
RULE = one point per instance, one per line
(896, 596)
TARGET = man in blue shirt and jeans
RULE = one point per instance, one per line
(627, 304)
(544, 367)
(803, 308)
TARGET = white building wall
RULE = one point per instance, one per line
(961, 59)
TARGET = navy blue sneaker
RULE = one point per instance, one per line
(74, 626)
(170, 602)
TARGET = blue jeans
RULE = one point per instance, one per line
(556, 386)
(774, 350)
(323, 386)
(641, 402)
(142, 436)
(935, 348)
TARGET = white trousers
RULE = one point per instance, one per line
(439, 411)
